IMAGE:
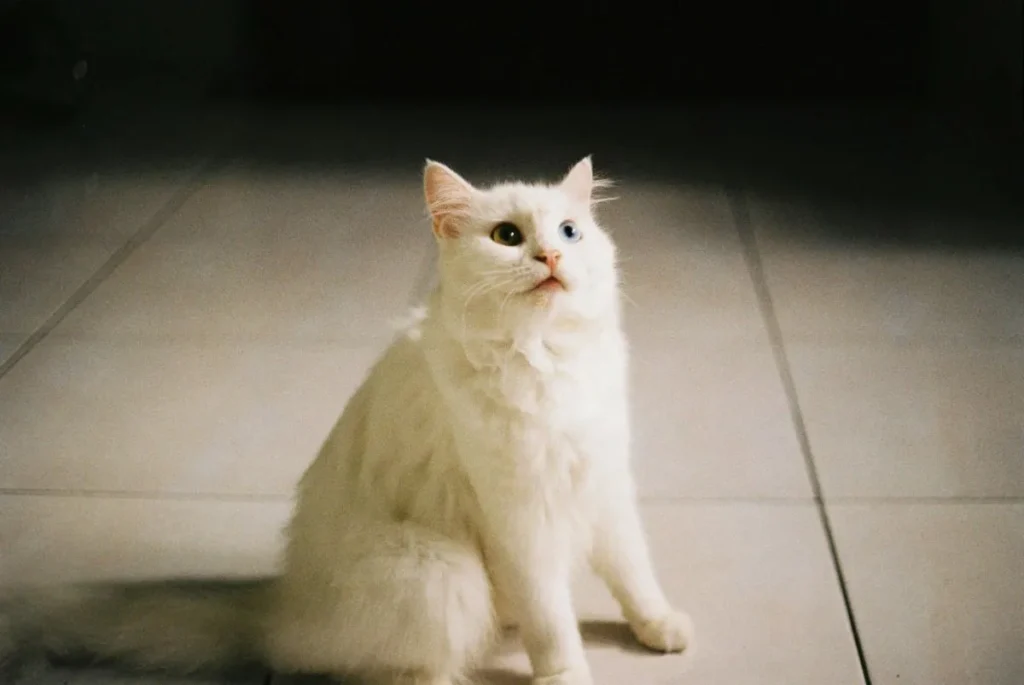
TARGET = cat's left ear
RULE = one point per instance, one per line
(579, 182)
(448, 198)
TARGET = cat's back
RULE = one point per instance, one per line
(390, 454)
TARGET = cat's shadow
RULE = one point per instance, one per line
(611, 634)
(600, 634)
(603, 633)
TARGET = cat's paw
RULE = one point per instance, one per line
(671, 632)
(576, 676)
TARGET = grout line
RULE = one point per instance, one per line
(741, 218)
(213, 341)
(144, 495)
(940, 342)
(926, 500)
(256, 498)
(272, 498)
(143, 234)
(705, 500)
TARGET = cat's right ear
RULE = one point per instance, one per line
(448, 198)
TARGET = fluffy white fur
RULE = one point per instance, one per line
(482, 461)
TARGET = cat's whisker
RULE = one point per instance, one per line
(508, 296)
(478, 290)
(482, 288)
(474, 290)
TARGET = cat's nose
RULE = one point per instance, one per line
(549, 257)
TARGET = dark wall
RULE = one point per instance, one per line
(949, 50)
(590, 49)
(975, 54)
(193, 39)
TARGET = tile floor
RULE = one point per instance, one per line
(830, 435)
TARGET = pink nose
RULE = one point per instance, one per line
(549, 257)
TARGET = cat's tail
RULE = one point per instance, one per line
(187, 627)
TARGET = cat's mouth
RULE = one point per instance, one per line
(549, 284)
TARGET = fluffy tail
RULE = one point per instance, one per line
(186, 627)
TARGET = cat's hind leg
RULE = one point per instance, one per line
(396, 600)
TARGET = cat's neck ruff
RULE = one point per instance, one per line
(544, 339)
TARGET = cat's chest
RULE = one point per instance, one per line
(540, 421)
(536, 388)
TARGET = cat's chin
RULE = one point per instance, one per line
(545, 293)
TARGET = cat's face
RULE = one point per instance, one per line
(515, 256)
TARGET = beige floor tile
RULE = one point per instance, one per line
(683, 268)
(9, 343)
(908, 294)
(359, 209)
(291, 257)
(185, 418)
(50, 539)
(36, 280)
(688, 294)
(913, 420)
(759, 584)
(657, 214)
(937, 590)
(828, 286)
(712, 420)
(58, 227)
(90, 206)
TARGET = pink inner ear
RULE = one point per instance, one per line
(579, 182)
(445, 229)
(448, 197)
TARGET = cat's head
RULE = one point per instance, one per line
(517, 255)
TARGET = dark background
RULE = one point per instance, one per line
(931, 51)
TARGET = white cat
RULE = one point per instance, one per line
(482, 461)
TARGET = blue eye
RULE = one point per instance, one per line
(569, 232)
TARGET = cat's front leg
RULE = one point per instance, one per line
(532, 571)
(621, 558)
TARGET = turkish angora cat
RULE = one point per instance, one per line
(484, 458)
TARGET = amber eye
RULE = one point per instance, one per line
(507, 234)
